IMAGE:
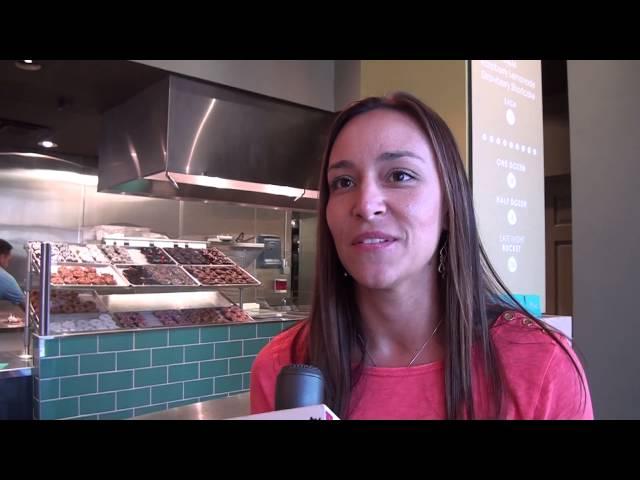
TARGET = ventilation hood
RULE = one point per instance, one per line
(190, 140)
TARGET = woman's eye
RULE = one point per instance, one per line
(401, 176)
(341, 183)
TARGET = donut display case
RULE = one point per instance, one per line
(80, 279)
(117, 340)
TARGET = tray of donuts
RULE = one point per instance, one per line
(71, 254)
(223, 275)
(86, 275)
(198, 256)
(137, 255)
(81, 323)
(156, 276)
(70, 302)
(203, 316)
(133, 320)
(179, 318)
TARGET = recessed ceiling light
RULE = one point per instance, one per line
(47, 144)
(28, 65)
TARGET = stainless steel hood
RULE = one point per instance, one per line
(185, 139)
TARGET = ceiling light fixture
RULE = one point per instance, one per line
(47, 144)
(28, 65)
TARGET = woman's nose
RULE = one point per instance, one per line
(369, 201)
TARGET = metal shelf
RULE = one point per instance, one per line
(234, 244)
(115, 290)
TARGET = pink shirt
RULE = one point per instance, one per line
(540, 380)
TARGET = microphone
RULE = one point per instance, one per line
(299, 385)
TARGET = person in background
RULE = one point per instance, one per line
(409, 319)
(9, 288)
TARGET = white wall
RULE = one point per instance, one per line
(441, 84)
(347, 82)
(604, 116)
(307, 82)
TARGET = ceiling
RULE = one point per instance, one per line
(64, 102)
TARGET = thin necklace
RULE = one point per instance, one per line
(415, 357)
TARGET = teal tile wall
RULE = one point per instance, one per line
(114, 376)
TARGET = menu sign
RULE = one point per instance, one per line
(507, 170)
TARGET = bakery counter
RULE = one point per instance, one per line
(16, 387)
(128, 373)
(11, 365)
(220, 409)
(16, 383)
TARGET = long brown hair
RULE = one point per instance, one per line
(471, 294)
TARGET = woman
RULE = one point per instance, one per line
(409, 320)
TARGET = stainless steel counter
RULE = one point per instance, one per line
(7, 309)
(219, 409)
(16, 367)
(11, 345)
(11, 340)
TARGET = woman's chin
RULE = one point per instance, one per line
(374, 280)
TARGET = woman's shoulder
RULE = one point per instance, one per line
(515, 326)
(519, 338)
(279, 351)
(276, 354)
(540, 364)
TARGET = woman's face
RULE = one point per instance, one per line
(385, 203)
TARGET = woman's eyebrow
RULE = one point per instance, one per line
(393, 155)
